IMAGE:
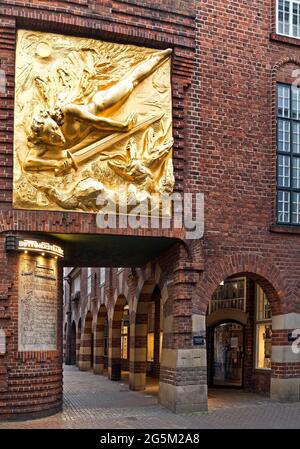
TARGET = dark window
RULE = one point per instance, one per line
(288, 154)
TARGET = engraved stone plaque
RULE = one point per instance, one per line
(37, 303)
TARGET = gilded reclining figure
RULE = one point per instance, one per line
(55, 132)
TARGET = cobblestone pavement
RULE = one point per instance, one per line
(93, 401)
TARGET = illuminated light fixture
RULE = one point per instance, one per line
(45, 247)
(14, 243)
(222, 283)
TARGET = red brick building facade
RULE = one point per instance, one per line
(228, 59)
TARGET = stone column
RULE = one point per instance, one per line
(85, 352)
(114, 346)
(78, 343)
(183, 375)
(285, 377)
(99, 343)
(138, 347)
(31, 316)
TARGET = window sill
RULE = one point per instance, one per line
(263, 370)
(285, 39)
(285, 229)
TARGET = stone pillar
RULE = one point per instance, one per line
(99, 343)
(85, 353)
(114, 347)
(183, 370)
(73, 344)
(285, 377)
(78, 343)
(68, 332)
(31, 315)
(138, 347)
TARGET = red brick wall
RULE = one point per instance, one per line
(140, 23)
(224, 129)
(233, 154)
(30, 382)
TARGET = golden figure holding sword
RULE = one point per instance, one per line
(91, 117)
(69, 123)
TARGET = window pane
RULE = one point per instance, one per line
(263, 307)
(296, 138)
(287, 17)
(296, 19)
(283, 170)
(77, 284)
(283, 101)
(283, 206)
(296, 102)
(263, 330)
(284, 136)
(89, 280)
(296, 172)
(296, 208)
(124, 347)
(102, 275)
(263, 345)
(283, 16)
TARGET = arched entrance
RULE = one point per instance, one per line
(239, 334)
(227, 354)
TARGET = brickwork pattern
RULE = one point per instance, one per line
(226, 61)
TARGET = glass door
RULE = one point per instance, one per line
(228, 355)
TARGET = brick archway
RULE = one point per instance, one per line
(255, 267)
(282, 62)
(260, 270)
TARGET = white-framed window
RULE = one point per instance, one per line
(76, 284)
(263, 326)
(231, 294)
(288, 154)
(89, 281)
(102, 276)
(288, 18)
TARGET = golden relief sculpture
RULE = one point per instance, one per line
(90, 117)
